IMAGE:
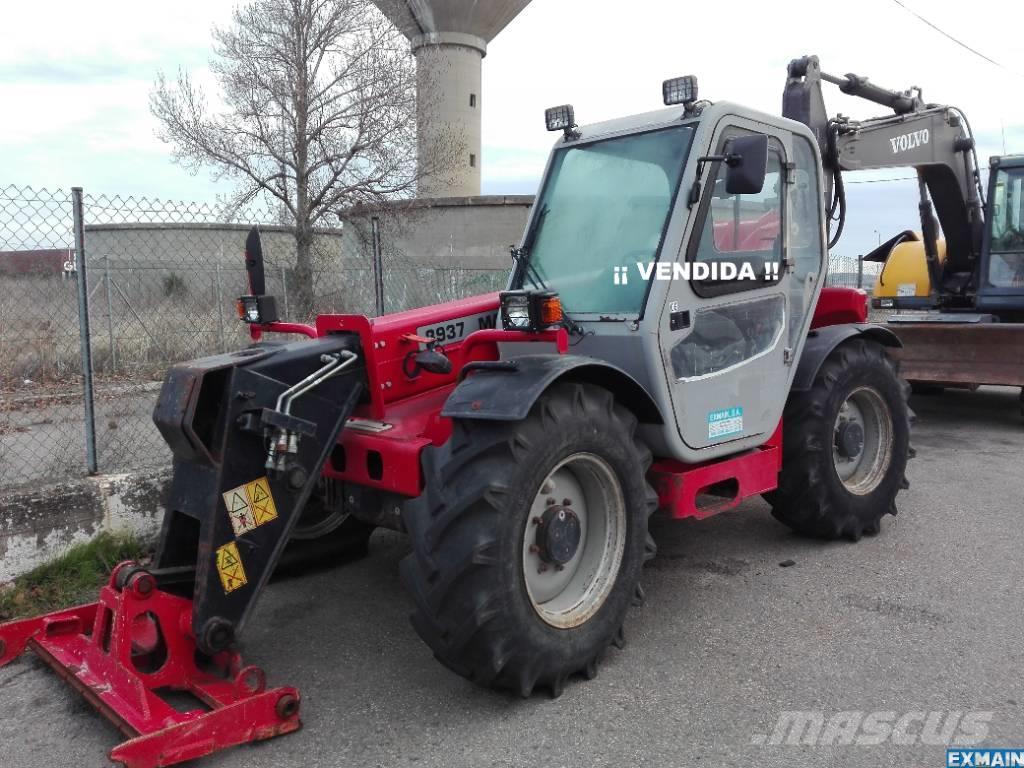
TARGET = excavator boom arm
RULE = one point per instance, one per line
(933, 139)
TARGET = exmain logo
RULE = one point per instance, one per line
(912, 140)
(984, 758)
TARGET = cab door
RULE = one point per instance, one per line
(730, 339)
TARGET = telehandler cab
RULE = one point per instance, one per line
(521, 439)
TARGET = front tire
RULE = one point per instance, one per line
(529, 540)
(845, 445)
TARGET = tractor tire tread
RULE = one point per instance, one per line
(452, 572)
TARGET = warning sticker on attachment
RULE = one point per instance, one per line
(250, 506)
(728, 421)
(230, 568)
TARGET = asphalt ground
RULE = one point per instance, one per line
(925, 617)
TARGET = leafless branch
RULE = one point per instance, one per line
(315, 107)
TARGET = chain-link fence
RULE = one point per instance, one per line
(41, 386)
(160, 279)
(851, 272)
(81, 361)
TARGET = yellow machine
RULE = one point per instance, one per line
(905, 270)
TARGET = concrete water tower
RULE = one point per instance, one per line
(449, 39)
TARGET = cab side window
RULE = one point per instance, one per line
(739, 229)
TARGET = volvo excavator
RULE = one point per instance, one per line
(957, 296)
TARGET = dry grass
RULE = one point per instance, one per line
(71, 579)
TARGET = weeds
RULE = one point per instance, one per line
(71, 579)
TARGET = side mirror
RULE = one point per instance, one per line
(254, 263)
(747, 163)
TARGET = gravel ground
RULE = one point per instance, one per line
(924, 618)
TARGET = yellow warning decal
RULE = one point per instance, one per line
(262, 502)
(250, 506)
(230, 568)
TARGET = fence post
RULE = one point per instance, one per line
(84, 336)
(860, 271)
(378, 268)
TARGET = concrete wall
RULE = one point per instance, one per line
(195, 245)
(38, 525)
(434, 250)
(452, 232)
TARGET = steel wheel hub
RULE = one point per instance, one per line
(862, 441)
(850, 439)
(558, 535)
(573, 540)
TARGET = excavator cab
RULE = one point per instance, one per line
(1002, 289)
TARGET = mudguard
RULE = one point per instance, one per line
(505, 390)
(821, 341)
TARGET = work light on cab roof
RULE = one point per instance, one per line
(679, 90)
(562, 118)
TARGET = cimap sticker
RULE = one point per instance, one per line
(250, 506)
(728, 421)
(230, 568)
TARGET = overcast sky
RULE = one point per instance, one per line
(75, 79)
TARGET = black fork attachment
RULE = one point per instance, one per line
(250, 432)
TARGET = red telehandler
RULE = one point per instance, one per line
(520, 439)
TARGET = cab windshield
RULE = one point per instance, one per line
(605, 205)
(1006, 259)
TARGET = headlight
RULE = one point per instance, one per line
(530, 310)
(515, 310)
(257, 309)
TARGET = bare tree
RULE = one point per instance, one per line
(316, 108)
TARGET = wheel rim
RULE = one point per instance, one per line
(317, 523)
(581, 499)
(862, 441)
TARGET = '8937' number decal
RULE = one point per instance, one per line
(446, 332)
(458, 328)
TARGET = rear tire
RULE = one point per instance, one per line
(845, 446)
(483, 601)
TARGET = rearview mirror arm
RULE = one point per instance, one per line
(731, 159)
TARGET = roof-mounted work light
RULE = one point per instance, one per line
(679, 90)
(562, 118)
